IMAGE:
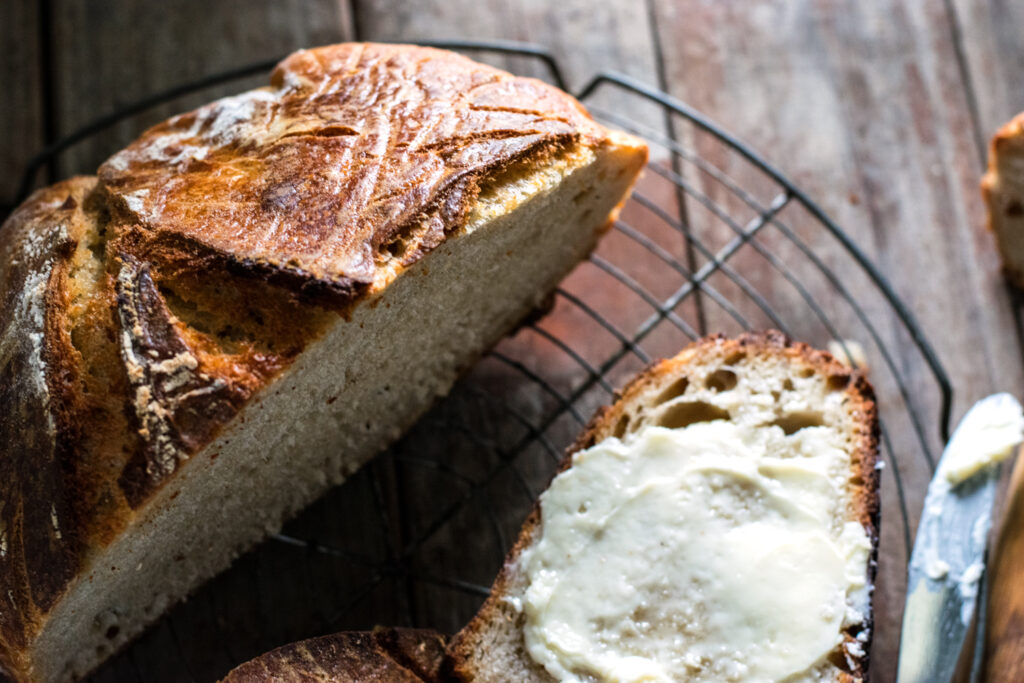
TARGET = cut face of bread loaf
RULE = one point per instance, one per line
(718, 522)
(251, 301)
(1003, 190)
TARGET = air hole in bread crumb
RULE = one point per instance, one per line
(682, 415)
(674, 390)
(794, 422)
(837, 382)
(806, 372)
(396, 248)
(837, 658)
(787, 384)
(721, 380)
(857, 480)
(734, 358)
(620, 427)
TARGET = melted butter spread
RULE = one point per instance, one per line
(709, 553)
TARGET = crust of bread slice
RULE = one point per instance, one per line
(1002, 188)
(384, 655)
(492, 648)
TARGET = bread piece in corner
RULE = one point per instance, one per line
(384, 655)
(718, 522)
(1002, 188)
(252, 300)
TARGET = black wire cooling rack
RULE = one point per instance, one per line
(714, 239)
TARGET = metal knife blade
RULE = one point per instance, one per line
(948, 558)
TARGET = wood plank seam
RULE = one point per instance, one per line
(670, 128)
(48, 91)
(956, 33)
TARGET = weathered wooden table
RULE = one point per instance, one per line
(879, 110)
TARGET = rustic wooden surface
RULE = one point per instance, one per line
(22, 109)
(879, 110)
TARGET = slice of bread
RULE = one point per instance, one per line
(384, 655)
(770, 387)
(252, 300)
(1002, 188)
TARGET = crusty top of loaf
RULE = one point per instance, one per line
(143, 309)
(353, 150)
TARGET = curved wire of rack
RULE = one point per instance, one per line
(516, 443)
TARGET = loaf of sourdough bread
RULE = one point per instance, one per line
(249, 302)
(718, 522)
(1002, 188)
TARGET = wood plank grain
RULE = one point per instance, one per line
(22, 113)
(107, 55)
(864, 107)
(993, 59)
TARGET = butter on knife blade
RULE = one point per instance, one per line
(947, 562)
(987, 436)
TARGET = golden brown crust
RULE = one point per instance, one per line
(384, 655)
(381, 143)
(865, 502)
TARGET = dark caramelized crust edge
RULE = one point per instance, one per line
(40, 542)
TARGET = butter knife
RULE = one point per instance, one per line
(948, 560)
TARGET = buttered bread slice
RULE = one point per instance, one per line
(252, 300)
(717, 523)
